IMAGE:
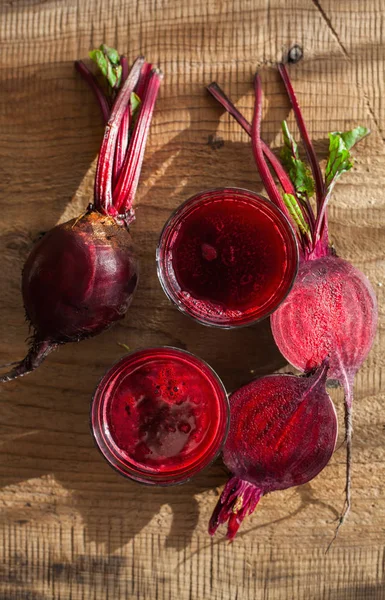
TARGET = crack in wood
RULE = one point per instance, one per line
(329, 24)
(372, 114)
(337, 38)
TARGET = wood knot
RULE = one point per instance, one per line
(215, 142)
(295, 54)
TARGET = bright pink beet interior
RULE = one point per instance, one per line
(229, 257)
(163, 410)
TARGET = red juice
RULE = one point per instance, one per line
(227, 257)
(160, 415)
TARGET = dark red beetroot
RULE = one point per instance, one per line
(80, 277)
(283, 431)
(331, 310)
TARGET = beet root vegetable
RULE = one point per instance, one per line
(81, 276)
(96, 254)
(283, 431)
(331, 311)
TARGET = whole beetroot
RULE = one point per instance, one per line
(81, 276)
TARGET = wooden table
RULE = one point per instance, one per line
(71, 528)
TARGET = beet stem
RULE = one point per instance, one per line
(124, 130)
(95, 87)
(217, 92)
(320, 375)
(104, 169)
(266, 176)
(219, 95)
(285, 181)
(124, 65)
(144, 78)
(38, 352)
(121, 146)
(238, 499)
(125, 190)
(312, 157)
(320, 229)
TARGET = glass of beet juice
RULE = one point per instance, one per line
(227, 257)
(160, 415)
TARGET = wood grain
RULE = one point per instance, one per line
(70, 527)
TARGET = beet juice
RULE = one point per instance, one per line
(160, 415)
(227, 257)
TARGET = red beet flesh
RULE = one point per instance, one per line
(160, 415)
(283, 431)
(227, 257)
(330, 312)
(80, 277)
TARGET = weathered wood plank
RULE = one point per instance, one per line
(70, 527)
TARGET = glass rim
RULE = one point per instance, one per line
(144, 477)
(252, 320)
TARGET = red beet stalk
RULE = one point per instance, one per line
(104, 169)
(81, 276)
(277, 167)
(280, 172)
(124, 130)
(90, 78)
(128, 181)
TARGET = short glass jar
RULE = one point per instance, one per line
(227, 257)
(160, 415)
